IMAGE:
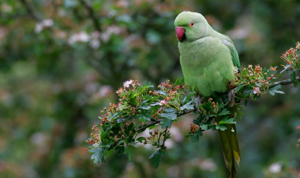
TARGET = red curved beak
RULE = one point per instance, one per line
(180, 33)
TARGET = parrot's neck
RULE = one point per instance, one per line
(211, 32)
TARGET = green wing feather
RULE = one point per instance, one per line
(234, 54)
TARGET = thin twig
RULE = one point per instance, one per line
(158, 121)
(151, 124)
(284, 82)
(148, 125)
(165, 138)
(92, 15)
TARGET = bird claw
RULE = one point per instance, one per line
(197, 103)
(231, 96)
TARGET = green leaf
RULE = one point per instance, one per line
(156, 158)
(169, 113)
(239, 111)
(280, 92)
(120, 149)
(230, 121)
(272, 90)
(223, 112)
(152, 127)
(293, 76)
(189, 105)
(195, 137)
(221, 127)
(199, 119)
(140, 139)
(97, 155)
(179, 82)
(296, 83)
(239, 87)
(145, 107)
(188, 97)
(161, 92)
(203, 127)
(166, 123)
(128, 150)
(285, 68)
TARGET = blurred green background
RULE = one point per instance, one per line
(62, 60)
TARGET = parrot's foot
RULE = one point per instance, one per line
(231, 96)
(197, 103)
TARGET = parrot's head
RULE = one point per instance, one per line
(190, 26)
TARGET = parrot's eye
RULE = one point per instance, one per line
(191, 24)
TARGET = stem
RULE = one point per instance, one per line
(283, 82)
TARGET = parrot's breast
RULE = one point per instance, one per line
(206, 65)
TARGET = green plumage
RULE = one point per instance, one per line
(208, 60)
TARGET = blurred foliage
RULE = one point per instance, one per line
(62, 60)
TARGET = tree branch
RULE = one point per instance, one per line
(92, 15)
(151, 124)
(31, 10)
(165, 138)
(284, 82)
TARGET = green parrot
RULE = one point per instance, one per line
(208, 60)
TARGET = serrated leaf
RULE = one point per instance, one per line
(189, 105)
(195, 137)
(120, 149)
(188, 97)
(198, 120)
(156, 158)
(145, 107)
(161, 92)
(272, 90)
(203, 127)
(166, 123)
(238, 88)
(140, 139)
(221, 127)
(169, 113)
(285, 68)
(230, 121)
(97, 155)
(223, 112)
(128, 150)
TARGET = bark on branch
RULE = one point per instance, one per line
(284, 82)
(91, 12)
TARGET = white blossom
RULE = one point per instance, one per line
(47, 22)
(162, 102)
(275, 167)
(208, 165)
(38, 28)
(79, 37)
(95, 43)
(41, 25)
(127, 83)
(256, 90)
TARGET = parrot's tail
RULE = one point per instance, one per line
(230, 147)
